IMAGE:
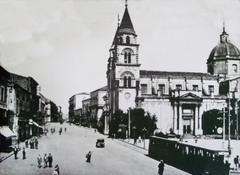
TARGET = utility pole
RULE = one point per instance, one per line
(229, 125)
(236, 112)
(129, 125)
(224, 124)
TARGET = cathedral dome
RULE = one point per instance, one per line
(224, 49)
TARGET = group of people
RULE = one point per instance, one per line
(47, 160)
(16, 150)
(61, 130)
(52, 130)
(33, 142)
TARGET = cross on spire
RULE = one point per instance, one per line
(224, 26)
(118, 20)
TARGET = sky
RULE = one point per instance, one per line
(64, 44)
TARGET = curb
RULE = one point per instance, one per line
(131, 146)
(134, 145)
(5, 157)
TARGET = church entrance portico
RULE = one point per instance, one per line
(186, 115)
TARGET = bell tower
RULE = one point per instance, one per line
(123, 66)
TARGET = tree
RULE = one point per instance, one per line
(118, 124)
(211, 121)
(140, 120)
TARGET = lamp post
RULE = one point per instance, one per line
(106, 113)
(134, 134)
(237, 120)
(144, 132)
(129, 123)
(229, 125)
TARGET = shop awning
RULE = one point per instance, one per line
(6, 132)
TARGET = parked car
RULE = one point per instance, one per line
(100, 143)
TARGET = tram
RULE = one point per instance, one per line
(193, 159)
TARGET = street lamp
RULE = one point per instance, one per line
(134, 134)
(229, 125)
(106, 113)
(144, 132)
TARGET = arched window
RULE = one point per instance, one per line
(128, 40)
(235, 68)
(127, 53)
(125, 57)
(120, 40)
(129, 82)
(125, 81)
(127, 78)
(129, 57)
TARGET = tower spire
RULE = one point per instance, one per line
(224, 27)
(126, 3)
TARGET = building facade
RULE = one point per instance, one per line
(178, 99)
(96, 104)
(75, 103)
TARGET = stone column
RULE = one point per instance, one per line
(196, 118)
(200, 112)
(180, 120)
(175, 118)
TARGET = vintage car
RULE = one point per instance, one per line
(100, 143)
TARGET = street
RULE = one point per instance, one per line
(69, 150)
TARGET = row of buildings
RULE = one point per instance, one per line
(87, 108)
(178, 99)
(23, 109)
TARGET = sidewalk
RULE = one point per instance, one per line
(5, 155)
(143, 144)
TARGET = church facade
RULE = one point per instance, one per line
(178, 99)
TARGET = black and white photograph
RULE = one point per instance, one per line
(119, 87)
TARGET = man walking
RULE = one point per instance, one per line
(26, 143)
(45, 159)
(161, 167)
(236, 162)
(39, 161)
(57, 169)
(88, 156)
(36, 143)
(50, 160)
(15, 151)
(24, 153)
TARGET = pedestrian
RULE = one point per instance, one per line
(57, 169)
(15, 151)
(39, 161)
(24, 153)
(45, 159)
(50, 159)
(88, 156)
(60, 131)
(26, 143)
(236, 162)
(161, 167)
(65, 129)
(31, 144)
(36, 143)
